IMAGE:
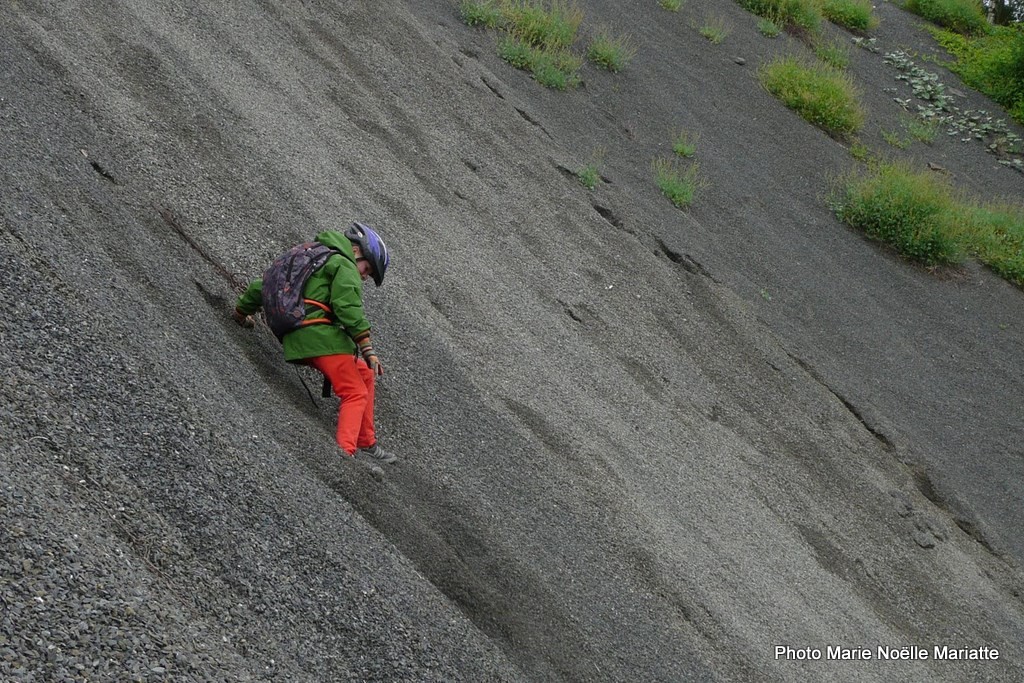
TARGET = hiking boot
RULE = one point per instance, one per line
(376, 454)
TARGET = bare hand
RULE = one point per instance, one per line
(375, 365)
(245, 321)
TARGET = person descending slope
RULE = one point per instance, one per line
(312, 296)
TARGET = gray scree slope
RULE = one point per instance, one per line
(636, 443)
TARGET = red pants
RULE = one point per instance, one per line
(353, 382)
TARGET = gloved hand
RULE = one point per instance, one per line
(242, 319)
(370, 356)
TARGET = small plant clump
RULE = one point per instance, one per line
(554, 68)
(588, 176)
(540, 35)
(610, 52)
(922, 130)
(551, 25)
(680, 185)
(832, 53)
(915, 128)
(925, 84)
(856, 15)
(820, 94)
(671, 5)
(769, 28)
(685, 144)
(803, 16)
(715, 30)
(480, 13)
(893, 138)
(860, 151)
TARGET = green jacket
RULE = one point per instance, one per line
(337, 284)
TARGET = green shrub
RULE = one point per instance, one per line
(610, 52)
(924, 219)
(993, 64)
(680, 185)
(820, 94)
(916, 213)
(996, 235)
(853, 14)
(963, 16)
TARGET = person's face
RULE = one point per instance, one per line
(365, 269)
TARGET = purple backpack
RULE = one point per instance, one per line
(283, 285)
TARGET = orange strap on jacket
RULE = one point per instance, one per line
(314, 321)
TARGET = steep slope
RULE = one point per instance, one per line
(619, 459)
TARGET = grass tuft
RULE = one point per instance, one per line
(804, 16)
(539, 35)
(553, 68)
(588, 176)
(550, 25)
(538, 39)
(769, 28)
(820, 94)
(680, 185)
(922, 130)
(685, 144)
(715, 30)
(611, 52)
(834, 54)
(860, 151)
(483, 13)
(671, 5)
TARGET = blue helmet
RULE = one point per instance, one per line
(373, 248)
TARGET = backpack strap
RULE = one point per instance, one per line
(314, 321)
